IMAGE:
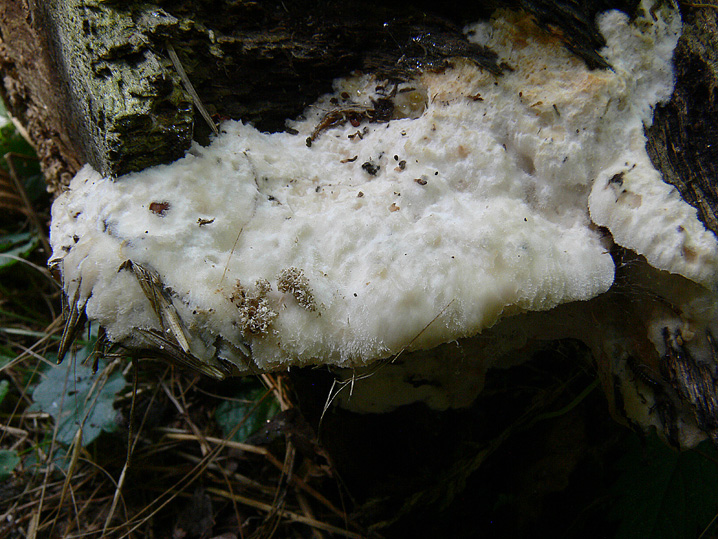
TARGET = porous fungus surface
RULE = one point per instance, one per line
(395, 215)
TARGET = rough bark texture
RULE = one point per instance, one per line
(124, 106)
(30, 84)
(92, 81)
(683, 141)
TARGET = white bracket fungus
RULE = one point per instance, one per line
(400, 216)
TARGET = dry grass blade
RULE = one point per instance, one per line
(190, 89)
(340, 385)
(75, 318)
(182, 409)
(272, 383)
(130, 447)
(75, 448)
(159, 346)
(294, 479)
(174, 491)
(10, 200)
(153, 288)
(40, 269)
(47, 335)
(50, 462)
(77, 443)
(272, 519)
(269, 508)
(37, 225)
(700, 5)
(172, 434)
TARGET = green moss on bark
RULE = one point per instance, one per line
(130, 109)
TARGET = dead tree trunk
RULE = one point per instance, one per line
(93, 81)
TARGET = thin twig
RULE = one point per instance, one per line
(297, 481)
(199, 438)
(130, 447)
(39, 228)
(234, 246)
(42, 270)
(285, 513)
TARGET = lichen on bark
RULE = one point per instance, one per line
(130, 108)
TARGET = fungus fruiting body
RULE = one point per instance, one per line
(399, 216)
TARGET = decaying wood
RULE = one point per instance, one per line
(683, 141)
(29, 90)
(92, 81)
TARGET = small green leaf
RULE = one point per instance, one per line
(4, 387)
(20, 245)
(9, 240)
(72, 399)
(9, 459)
(246, 413)
(662, 493)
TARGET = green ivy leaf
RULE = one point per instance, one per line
(663, 493)
(73, 400)
(247, 412)
(9, 459)
(20, 245)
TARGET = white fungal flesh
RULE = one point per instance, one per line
(404, 234)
